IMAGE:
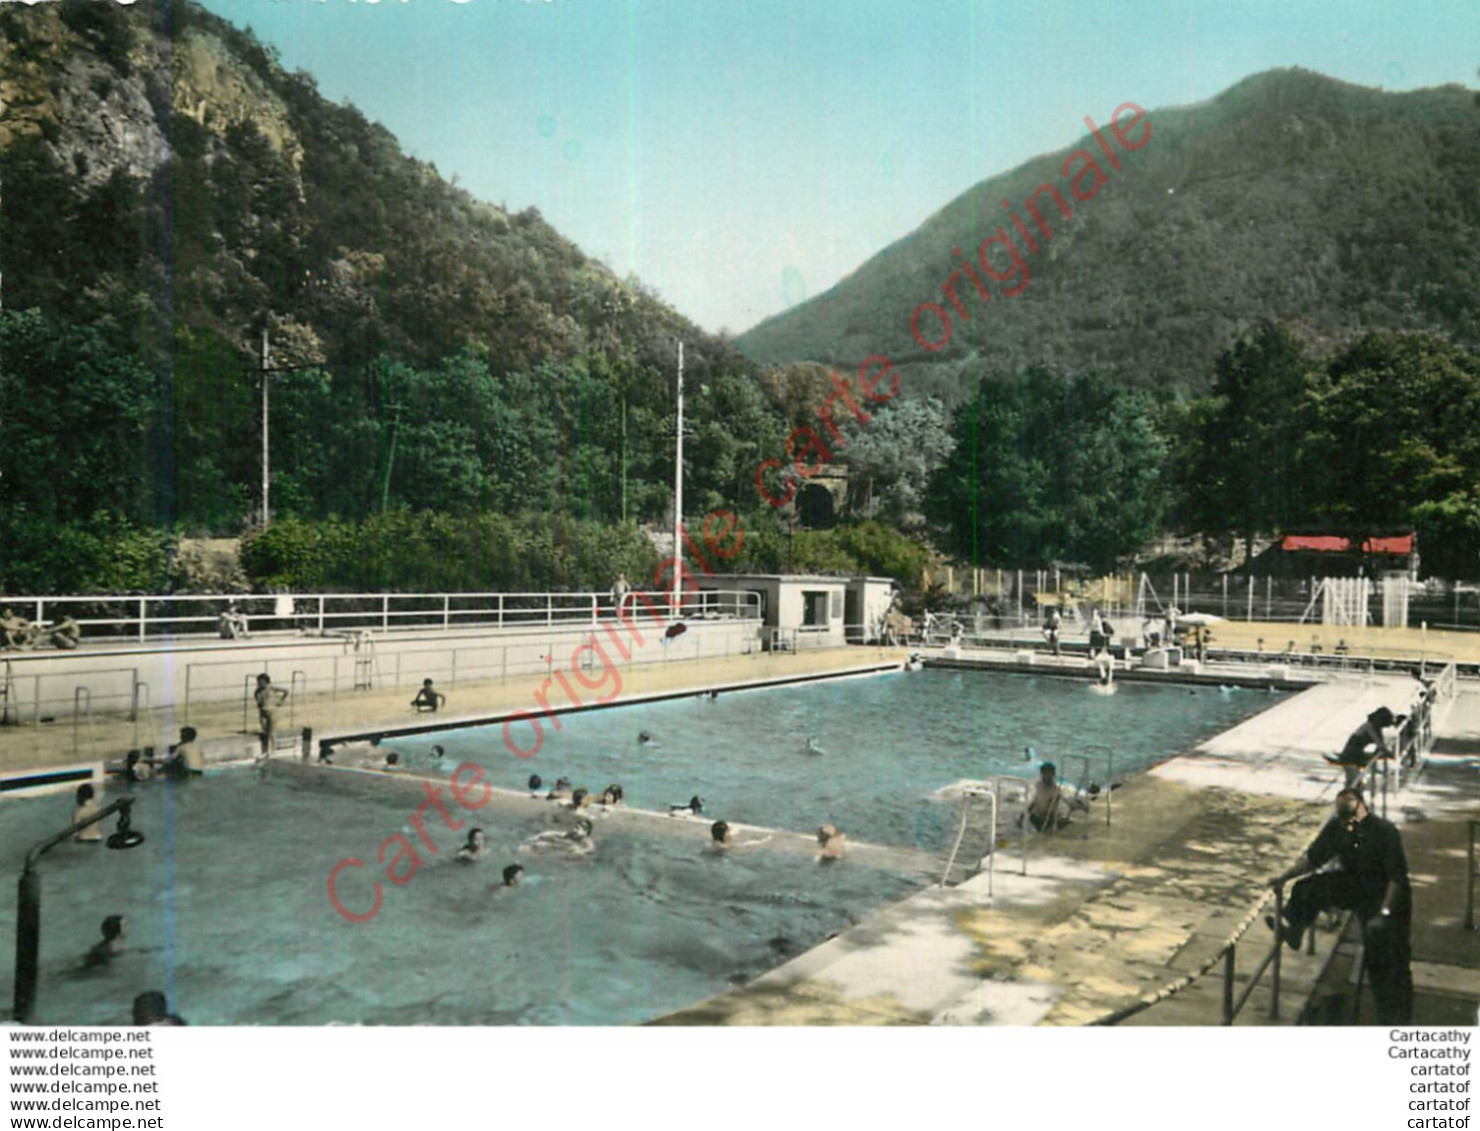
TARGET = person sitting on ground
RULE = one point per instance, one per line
(428, 698)
(829, 842)
(187, 760)
(694, 808)
(612, 795)
(1355, 756)
(560, 791)
(1048, 808)
(17, 630)
(112, 945)
(536, 783)
(152, 1008)
(87, 806)
(512, 874)
(232, 624)
(476, 847)
(66, 634)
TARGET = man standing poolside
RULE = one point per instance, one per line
(1372, 882)
(268, 699)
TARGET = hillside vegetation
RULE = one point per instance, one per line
(1289, 197)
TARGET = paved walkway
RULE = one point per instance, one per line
(388, 711)
(1107, 918)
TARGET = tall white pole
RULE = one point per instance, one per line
(266, 513)
(678, 493)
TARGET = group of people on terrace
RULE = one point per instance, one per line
(21, 634)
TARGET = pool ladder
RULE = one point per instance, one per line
(366, 669)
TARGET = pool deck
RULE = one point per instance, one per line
(356, 714)
(1107, 919)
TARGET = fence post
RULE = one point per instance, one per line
(446, 610)
(1249, 616)
(1229, 962)
(385, 612)
(321, 614)
(1268, 597)
(143, 616)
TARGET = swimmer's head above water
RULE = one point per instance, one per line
(720, 832)
(512, 874)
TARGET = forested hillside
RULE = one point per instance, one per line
(1289, 197)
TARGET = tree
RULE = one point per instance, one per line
(1244, 473)
(1050, 465)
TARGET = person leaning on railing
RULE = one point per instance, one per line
(1372, 881)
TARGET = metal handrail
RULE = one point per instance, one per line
(435, 610)
(1470, 883)
(966, 795)
(1232, 1008)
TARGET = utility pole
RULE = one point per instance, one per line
(385, 497)
(678, 493)
(266, 476)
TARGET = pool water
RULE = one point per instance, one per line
(229, 914)
(888, 742)
(228, 905)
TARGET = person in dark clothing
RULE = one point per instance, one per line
(1354, 756)
(1371, 879)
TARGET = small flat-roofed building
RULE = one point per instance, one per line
(797, 610)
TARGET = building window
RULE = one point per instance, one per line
(814, 609)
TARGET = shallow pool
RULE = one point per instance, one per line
(229, 914)
(888, 742)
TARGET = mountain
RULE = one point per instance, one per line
(162, 170)
(1289, 197)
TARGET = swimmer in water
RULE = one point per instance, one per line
(512, 874)
(722, 838)
(560, 791)
(576, 842)
(475, 849)
(813, 747)
(536, 783)
(829, 843)
(694, 808)
(436, 755)
(392, 762)
(644, 738)
(580, 799)
(112, 945)
(612, 795)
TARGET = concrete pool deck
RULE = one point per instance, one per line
(1107, 918)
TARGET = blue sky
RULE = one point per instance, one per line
(739, 156)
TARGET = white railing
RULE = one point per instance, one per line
(184, 615)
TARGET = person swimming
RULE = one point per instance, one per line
(476, 847)
(829, 842)
(813, 747)
(512, 874)
(645, 738)
(392, 761)
(722, 837)
(612, 795)
(574, 842)
(435, 755)
(560, 791)
(580, 799)
(694, 808)
(104, 952)
(536, 783)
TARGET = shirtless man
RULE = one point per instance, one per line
(268, 699)
(1049, 809)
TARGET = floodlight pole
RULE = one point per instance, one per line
(266, 380)
(28, 909)
(678, 495)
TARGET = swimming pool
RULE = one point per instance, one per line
(227, 899)
(228, 912)
(888, 742)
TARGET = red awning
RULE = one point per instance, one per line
(1336, 544)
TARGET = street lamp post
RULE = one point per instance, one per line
(28, 906)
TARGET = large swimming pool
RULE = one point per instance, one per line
(229, 912)
(887, 743)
